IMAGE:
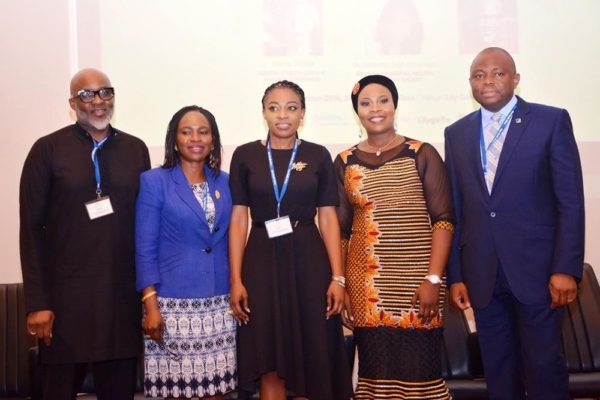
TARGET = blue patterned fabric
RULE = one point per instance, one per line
(198, 356)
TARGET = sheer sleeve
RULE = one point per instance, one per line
(344, 211)
(436, 187)
(238, 178)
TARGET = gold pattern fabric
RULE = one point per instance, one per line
(395, 389)
(445, 225)
(388, 220)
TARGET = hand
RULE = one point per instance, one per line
(335, 299)
(427, 294)
(39, 324)
(347, 316)
(563, 289)
(460, 296)
(239, 303)
(154, 325)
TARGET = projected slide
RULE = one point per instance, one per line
(221, 55)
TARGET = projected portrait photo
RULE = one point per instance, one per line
(398, 30)
(292, 28)
(489, 23)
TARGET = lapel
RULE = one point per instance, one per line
(473, 149)
(513, 136)
(183, 190)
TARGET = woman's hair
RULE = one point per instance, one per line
(285, 84)
(172, 156)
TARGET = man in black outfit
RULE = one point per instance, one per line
(77, 197)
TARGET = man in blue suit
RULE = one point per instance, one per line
(519, 242)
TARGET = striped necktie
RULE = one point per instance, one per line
(494, 147)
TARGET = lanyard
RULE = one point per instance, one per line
(279, 195)
(494, 139)
(97, 146)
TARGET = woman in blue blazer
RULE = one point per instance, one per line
(182, 220)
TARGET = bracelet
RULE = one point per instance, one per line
(148, 295)
(340, 280)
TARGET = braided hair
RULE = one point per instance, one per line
(288, 85)
(172, 156)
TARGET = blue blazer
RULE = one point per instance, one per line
(175, 249)
(532, 223)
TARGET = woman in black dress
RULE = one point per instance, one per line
(287, 285)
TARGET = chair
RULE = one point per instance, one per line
(14, 342)
(581, 346)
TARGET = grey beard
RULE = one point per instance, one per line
(103, 124)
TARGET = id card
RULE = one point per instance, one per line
(278, 227)
(99, 207)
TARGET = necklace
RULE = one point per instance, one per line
(381, 149)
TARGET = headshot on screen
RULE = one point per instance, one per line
(483, 24)
(292, 28)
(398, 29)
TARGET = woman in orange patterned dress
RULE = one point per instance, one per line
(397, 225)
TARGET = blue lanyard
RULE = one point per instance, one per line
(494, 140)
(97, 146)
(279, 195)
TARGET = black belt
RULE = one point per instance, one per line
(295, 223)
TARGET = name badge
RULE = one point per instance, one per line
(99, 207)
(279, 227)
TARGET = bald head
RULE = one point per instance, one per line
(495, 51)
(92, 115)
(81, 79)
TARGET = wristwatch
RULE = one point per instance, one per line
(434, 279)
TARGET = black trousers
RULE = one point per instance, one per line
(113, 380)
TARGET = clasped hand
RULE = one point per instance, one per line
(39, 324)
(427, 295)
(154, 325)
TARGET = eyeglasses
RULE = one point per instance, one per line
(88, 95)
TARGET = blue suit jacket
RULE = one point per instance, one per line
(175, 249)
(532, 223)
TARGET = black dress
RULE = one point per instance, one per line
(287, 277)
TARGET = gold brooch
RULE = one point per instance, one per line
(217, 194)
(299, 166)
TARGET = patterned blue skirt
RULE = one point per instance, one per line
(198, 356)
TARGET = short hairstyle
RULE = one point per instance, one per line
(499, 50)
(285, 84)
(172, 155)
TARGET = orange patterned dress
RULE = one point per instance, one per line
(390, 205)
